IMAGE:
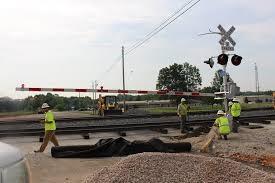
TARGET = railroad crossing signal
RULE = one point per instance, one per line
(236, 60)
(222, 59)
(210, 62)
(225, 42)
(226, 35)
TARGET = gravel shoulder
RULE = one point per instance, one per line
(259, 141)
(178, 168)
(250, 146)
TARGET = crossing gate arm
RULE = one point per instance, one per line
(84, 90)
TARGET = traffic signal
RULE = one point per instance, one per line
(236, 60)
(210, 62)
(222, 59)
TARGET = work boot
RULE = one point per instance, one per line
(183, 131)
(225, 137)
(235, 130)
(235, 127)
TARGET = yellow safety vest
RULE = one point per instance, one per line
(49, 117)
(182, 109)
(223, 125)
(236, 110)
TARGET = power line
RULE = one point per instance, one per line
(257, 79)
(104, 74)
(147, 39)
(150, 33)
(162, 23)
(155, 31)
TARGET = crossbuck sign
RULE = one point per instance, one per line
(226, 35)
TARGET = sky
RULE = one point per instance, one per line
(70, 44)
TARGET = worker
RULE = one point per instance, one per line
(182, 113)
(222, 124)
(50, 127)
(235, 112)
(100, 105)
(230, 105)
(229, 116)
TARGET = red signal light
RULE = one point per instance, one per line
(222, 59)
(236, 60)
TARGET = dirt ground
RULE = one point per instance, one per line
(45, 169)
(255, 147)
(260, 141)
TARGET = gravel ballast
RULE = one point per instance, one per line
(180, 168)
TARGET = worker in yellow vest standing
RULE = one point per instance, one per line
(235, 111)
(50, 128)
(100, 105)
(223, 125)
(182, 113)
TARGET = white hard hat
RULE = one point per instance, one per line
(235, 100)
(182, 100)
(45, 105)
(230, 103)
(220, 112)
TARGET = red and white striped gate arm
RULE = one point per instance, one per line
(156, 92)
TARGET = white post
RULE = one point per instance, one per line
(94, 93)
(225, 88)
(93, 98)
(123, 78)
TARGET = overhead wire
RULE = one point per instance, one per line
(155, 31)
(162, 23)
(148, 38)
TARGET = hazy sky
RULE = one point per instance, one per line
(70, 43)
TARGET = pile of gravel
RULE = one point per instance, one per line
(180, 168)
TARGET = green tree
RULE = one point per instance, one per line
(218, 80)
(179, 77)
(208, 89)
(216, 83)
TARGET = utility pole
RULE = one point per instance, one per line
(93, 98)
(123, 78)
(95, 84)
(257, 79)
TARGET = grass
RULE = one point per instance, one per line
(158, 110)
(256, 105)
(17, 113)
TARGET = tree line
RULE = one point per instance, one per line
(177, 77)
(33, 103)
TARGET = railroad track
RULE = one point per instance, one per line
(128, 116)
(156, 123)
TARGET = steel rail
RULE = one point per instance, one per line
(122, 127)
(130, 116)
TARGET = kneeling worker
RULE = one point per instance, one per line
(223, 125)
(50, 128)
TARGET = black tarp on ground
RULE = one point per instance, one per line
(118, 147)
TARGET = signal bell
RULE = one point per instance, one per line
(210, 62)
(222, 59)
(236, 60)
